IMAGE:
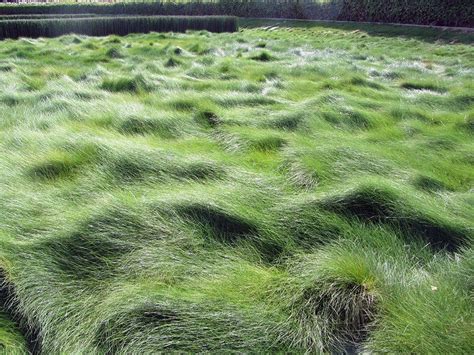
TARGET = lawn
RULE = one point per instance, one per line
(292, 187)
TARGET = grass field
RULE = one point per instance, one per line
(294, 187)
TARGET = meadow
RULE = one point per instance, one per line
(291, 187)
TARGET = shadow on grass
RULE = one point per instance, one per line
(8, 305)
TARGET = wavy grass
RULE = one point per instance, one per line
(173, 192)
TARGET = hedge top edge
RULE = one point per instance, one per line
(103, 26)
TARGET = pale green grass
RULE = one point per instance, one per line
(294, 187)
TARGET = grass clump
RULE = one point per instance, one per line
(126, 84)
(63, 164)
(114, 53)
(263, 56)
(172, 62)
(337, 302)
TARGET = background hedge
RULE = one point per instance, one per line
(103, 26)
(304, 9)
(43, 16)
(425, 12)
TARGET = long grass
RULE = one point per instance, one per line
(294, 187)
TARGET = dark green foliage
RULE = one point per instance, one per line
(309, 9)
(43, 16)
(427, 12)
(422, 12)
(103, 26)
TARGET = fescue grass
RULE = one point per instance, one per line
(290, 188)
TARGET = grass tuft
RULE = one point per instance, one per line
(263, 56)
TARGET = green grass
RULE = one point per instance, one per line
(293, 187)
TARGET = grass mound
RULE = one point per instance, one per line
(63, 163)
(54, 168)
(336, 303)
(114, 53)
(380, 203)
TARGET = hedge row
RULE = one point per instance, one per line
(43, 16)
(103, 26)
(424, 12)
(304, 9)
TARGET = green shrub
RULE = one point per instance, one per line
(103, 26)
(422, 12)
(310, 9)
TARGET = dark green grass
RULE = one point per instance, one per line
(294, 187)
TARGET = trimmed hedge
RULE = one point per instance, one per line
(303, 9)
(43, 16)
(422, 12)
(103, 26)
